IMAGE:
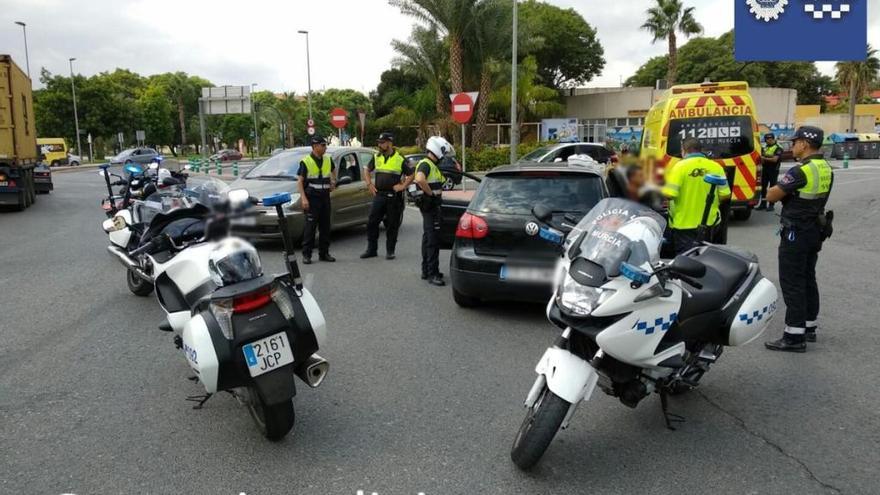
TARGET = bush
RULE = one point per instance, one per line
(491, 157)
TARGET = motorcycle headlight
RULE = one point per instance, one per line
(582, 300)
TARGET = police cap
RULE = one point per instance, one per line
(769, 135)
(317, 139)
(386, 136)
(812, 135)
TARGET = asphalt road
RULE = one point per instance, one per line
(422, 396)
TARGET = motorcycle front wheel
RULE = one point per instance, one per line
(137, 285)
(274, 421)
(539, 427)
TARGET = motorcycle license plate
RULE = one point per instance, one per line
(265, 355)
(4, 183)
(248, 221)
(525, 274)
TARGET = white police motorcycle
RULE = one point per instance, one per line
(240, 330)
(631, 323)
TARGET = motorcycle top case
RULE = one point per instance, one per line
(754, 314)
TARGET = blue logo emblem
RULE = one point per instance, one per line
(801, 30)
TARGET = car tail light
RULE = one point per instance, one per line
(472, 227)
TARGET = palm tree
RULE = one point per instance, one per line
(453, 18)
(858, 77)
(664, 20)
(489, 39)
(180, 91)
(533, 100)
(423, 57)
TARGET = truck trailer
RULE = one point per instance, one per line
(18, 137)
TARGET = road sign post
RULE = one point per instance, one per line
(462, 112)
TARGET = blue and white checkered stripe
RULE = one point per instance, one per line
(659, 324)
(758, 315)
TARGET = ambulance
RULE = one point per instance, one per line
(721, 115)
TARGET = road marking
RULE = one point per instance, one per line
(856, 181)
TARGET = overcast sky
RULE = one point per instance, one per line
(239, 43)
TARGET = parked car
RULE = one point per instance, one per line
(496, 252)
(43, 179)
(227, 155)
(135, 155)
(447, 164)
(350, 202)
(73, 159)
(561, 151)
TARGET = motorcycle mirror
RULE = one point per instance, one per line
(542, 213)
(687, 266)
(717, 180)
(238, 197)
(276, 199)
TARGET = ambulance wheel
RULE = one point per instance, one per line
(274, 421)
(742, 215)
(137, 285)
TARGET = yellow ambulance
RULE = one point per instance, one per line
(722, 117)
(55, 150)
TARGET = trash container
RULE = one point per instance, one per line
(869, 146)
(827, 148)
(844, 144)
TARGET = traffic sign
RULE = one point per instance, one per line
(338, 117)
(311, 131)
(463, 106)
(310, 123)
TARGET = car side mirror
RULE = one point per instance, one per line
(687, 266)
(343, 181)
(542, 213)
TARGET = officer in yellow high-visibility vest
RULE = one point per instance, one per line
(771, 157)
(803, 191)
(317, 179)
(429, 181)
(392, 178)
(687, 193)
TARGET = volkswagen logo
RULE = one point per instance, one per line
(532, 228)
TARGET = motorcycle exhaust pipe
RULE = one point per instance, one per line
(313, 370)
(127, 262)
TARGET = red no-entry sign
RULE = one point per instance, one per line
(462, 108)
(338, 118)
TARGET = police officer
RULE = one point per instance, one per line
(803, 190)
(687, 192)
(771, 157)
(392, 178)
(317, 179)
(429, 181)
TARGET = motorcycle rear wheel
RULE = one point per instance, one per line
(137, 285)
(538, 429)
(274, 421)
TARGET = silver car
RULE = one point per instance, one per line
(135, 155)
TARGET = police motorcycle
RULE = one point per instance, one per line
(633, 324)
(136, 184)
(241, 331)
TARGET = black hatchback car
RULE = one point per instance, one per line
(497, 253)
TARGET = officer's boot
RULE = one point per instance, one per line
(371, 251)
(810, 334)
(790, 342)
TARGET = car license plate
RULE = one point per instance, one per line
(267, 354)
(525, 274)
(248, 221)
(4, 183)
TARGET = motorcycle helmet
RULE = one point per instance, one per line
(233, 260)
(440, 147)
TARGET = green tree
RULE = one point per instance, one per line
(667, 18)
(534, 101)
(858, 77)
(490, 41)
(568, 52)
(423, 58)
(394, 87)
(158, 116)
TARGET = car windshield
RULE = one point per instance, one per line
(207, 191)
(618, 230)
(721, 137)
(517, 194)
(281, 166)
(536, 155)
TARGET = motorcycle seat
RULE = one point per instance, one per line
(725, 271)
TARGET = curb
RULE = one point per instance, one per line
(67, 168)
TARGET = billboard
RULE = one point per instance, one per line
(563, 130)
(224, 100)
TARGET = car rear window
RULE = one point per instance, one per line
(721, 137)
(518, 194)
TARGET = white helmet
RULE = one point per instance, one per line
(233, 260)
(439, 147)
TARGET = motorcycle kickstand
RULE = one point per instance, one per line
(200, 399)
(668, 416)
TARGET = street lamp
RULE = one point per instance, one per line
(514, 131)
(75, 116)
(308, 71)
(26, 57)
(254, 112)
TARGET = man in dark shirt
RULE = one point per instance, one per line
(771, 157)
(803, 190)
(392, 178)
(317, 179)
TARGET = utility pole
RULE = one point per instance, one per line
(308, 71)
(514, 131)
(254, 112)
(27, 58)
(75, 116)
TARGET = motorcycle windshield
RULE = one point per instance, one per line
(618, 230)
(206, 191)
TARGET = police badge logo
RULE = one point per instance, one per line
(767, 10)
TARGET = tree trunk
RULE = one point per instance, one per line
(182, 118)
(853, 100)
(455, 73)
(673, 61)
(479, 137)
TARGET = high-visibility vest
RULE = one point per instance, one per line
(818, 185)
(317, 177)
(435, 177)
(771, 150)
(390, 165)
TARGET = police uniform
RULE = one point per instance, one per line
(769, 170)
(807, 187)
(387, 204)
(317, 178)
(687, 191)
(429, 205)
